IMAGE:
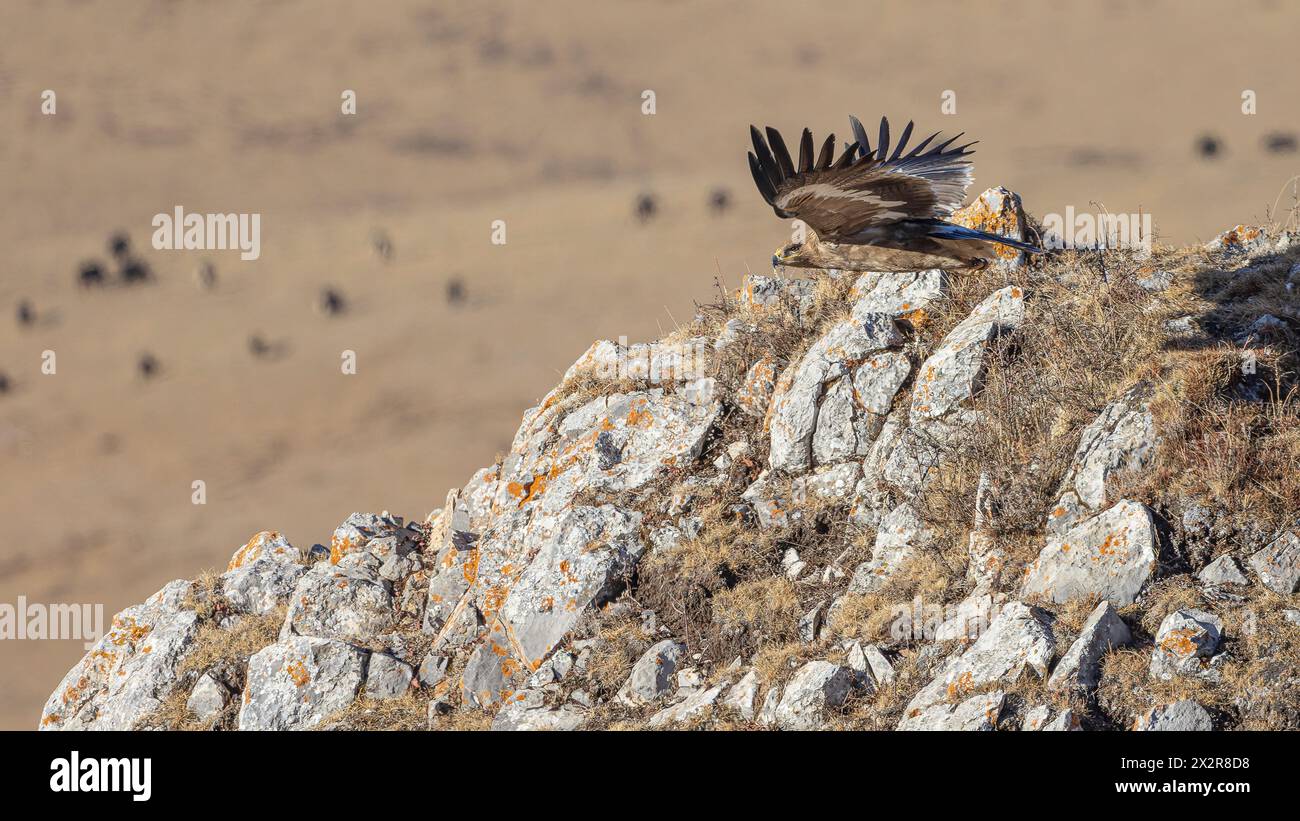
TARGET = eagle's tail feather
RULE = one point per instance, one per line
(947, 230)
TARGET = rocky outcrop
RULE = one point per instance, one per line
(777, 519)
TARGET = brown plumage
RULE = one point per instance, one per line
(872, 209)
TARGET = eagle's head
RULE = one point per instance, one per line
(797, 254)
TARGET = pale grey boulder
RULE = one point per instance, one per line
(742, 696)
(653, 674)
(815, 688)
(208, 698)
(347, 602)
(801, 386)
(1111, 555)
(951, 376)
(767, 292)
(1080, 667)
(455, 565)
(1065, 721)
(1221, 571)
(1181, 716)
(904, 295)
(389, 677)
(1185, 643)
(979, 713)
(1278, 564)
(900, 535)
(582, 565)
(298, 681)
(755, 392)
(359, 528)
(262, 574)
(828, 483)
(852, 411)
(967, 620)
(1240, 240)
(432, 670)
(1019, 641)
(528, 711)
(1036, 718)
(1122, 438)
(130, 670)
(689, 708)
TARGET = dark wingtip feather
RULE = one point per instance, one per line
(805, 152)
(846, 159)
(760, 179)
(764, 157)
(860, 134)
(781, 152)
(827, 155)
(902, 141)
(882, 146)
(921, 147)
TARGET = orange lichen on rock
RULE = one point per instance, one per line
(250, 551)
(297, 671)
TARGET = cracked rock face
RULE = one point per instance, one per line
(1185, 642)
(1181, 716)
(1278, 564)
(1111, 555)
(951, 376)
(130, 670)
(1018, 641)
(298, 681)
(1122, 438)
(814, 688)
(262, 574)
(1080, 667)
(795, 409)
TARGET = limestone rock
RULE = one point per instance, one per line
(130, 671)
(794, 412)
(298, 681)
(582, 565)
(208, 698)
(262, 574)
(815, 687)
(997, 211)
(1020, 639)
(653, 673)
(1111, 554)
(1278, 564)
(389, 677)
(1181, 716)
(979, 713)
(1080, 667)
(348, 602)
(1223, 570)
(742, 696)
(1122, 438)
(951, 376)
(528, 711)
(1185, 642)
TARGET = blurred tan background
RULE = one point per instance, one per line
(528, 112)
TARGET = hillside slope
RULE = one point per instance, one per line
(1053, 495)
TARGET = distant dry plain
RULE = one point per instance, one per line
(528, 112)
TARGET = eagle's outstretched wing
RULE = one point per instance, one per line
(864, 187)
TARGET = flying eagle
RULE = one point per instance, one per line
(873, 210)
